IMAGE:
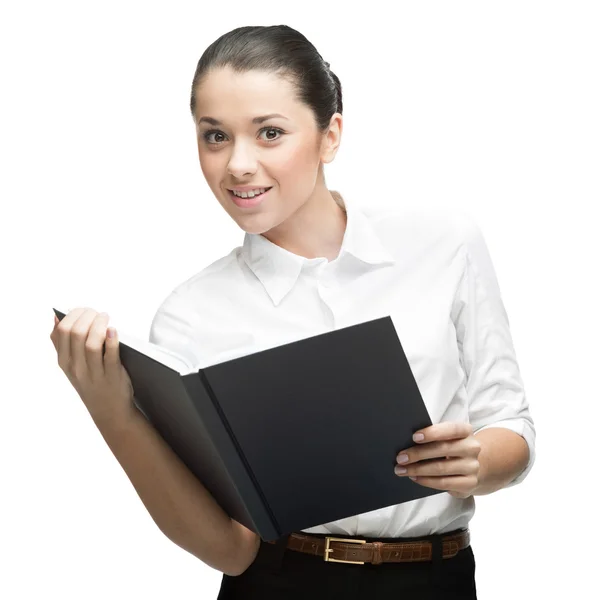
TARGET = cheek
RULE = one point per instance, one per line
(210, 165)
(295, 163)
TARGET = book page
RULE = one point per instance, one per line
(167, 357)
(160, 353)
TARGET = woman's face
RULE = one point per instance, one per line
(237, 146)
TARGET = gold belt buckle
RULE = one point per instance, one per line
(328, 550)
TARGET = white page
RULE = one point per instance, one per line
(167, 357)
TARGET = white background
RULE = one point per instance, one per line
(488, 106)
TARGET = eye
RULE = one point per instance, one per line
(211, 132)
(217, 132)
(276, 129)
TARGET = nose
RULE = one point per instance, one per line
(242, 161)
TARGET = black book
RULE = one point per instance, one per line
(293, 436)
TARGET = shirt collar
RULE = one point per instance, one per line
(278, 269)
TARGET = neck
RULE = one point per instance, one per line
(315, 230)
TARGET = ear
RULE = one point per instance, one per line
(332, 138)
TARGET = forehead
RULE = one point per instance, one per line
(226, 95)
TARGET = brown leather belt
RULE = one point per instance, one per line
(357, 551)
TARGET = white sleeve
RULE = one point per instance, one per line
(494, 385)
(171, 329)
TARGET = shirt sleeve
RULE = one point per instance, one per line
(171, 328)
(494, 386)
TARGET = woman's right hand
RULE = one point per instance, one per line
(100, 380)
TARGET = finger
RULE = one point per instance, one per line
(460, 494)
(432, 450)
(440, 468)
(94, 345)
(112, 361)
(79, 334)
(443, 431)
(456, 483)
(53, 333)
(63, 337)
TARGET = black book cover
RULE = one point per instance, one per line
(293, 436)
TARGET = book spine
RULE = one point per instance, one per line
(231, 481)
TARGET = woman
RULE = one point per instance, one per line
(268, 116)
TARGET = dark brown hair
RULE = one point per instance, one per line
(282, 50)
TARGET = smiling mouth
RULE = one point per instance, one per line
(248, 202)
(250, 197)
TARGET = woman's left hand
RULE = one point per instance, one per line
(446, 458)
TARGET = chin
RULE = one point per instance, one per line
(257, 224)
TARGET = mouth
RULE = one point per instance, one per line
(249, 202)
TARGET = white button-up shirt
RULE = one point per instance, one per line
(430, 271)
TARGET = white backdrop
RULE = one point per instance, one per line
(488, 106)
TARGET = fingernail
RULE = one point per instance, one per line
(402, 458)
(399, 470)
(418, 437)
(413, 478)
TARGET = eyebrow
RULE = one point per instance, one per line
(256, 120)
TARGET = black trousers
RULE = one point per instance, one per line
(281, 574)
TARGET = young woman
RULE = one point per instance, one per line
(268, 115)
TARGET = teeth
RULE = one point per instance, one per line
(249, 194)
